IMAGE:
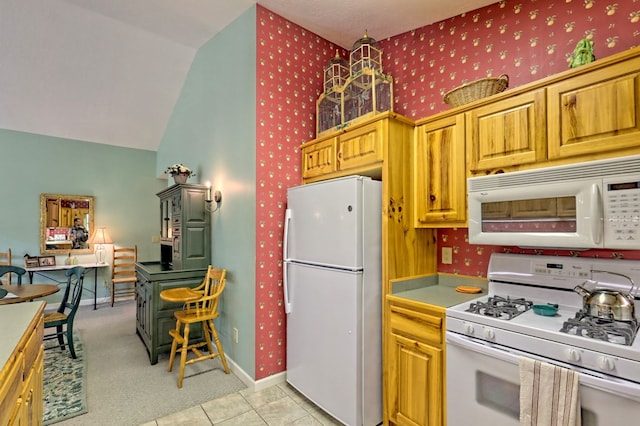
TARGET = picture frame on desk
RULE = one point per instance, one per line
(31, 262)
(46, 261)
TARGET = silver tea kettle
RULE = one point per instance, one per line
(608, 304)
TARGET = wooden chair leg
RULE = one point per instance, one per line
(223, 358)
(207, 336)
(183, 355)
(174, 346)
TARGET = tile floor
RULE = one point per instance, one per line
(277, 405)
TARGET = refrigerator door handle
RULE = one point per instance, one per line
(285, 264)
(285, 284)
(285, 245)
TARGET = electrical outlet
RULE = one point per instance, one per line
(235, 335)
(155, 238)
(447, 255)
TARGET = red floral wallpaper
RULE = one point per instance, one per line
(525, 39)
(290, 63)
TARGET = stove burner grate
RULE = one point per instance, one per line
(612, 331)
(500, 307)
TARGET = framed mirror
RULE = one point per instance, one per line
(66, 223)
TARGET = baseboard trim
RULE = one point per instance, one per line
(252, 384)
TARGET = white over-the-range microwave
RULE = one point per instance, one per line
(586, 205)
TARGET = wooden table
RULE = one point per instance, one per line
(26, 292)
(43, 270)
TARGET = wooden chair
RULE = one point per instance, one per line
(5, 259)
(203, 310)
(123, 272)
(7, 270)
(63, 318)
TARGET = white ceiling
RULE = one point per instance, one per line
(110, 71)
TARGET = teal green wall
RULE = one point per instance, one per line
(122, 180)
(212, 131)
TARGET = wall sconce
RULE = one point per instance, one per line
(217, 197)
(99, 239)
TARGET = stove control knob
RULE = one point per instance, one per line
(573, 355)
(606, 363)
(468, 328)
(489, 334)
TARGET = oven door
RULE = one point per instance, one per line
(483, 387)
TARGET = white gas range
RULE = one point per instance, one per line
(485, 341)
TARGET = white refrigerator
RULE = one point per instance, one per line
(332, 291)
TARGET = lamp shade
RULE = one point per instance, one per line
(101, 236)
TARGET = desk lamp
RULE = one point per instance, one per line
(100, 238)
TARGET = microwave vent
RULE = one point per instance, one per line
(580, 171)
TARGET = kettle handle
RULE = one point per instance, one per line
(620, 275)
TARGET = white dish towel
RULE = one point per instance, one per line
(549, 395)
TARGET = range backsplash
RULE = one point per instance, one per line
(473, 259)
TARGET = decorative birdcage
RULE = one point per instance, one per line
(362, 91)
(329, 111)
(329, 105)
(336, 73)
(368, 93)
(365, 54)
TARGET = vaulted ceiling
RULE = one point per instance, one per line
(110, 71)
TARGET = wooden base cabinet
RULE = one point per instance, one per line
(22, 376)
(415, 364)
(154, 316)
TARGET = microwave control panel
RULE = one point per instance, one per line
(621, 201)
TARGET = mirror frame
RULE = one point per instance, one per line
(43, 224)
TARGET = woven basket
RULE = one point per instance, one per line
(476, 90)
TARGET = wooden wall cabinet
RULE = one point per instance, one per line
(595, 112)
(415, 364)
(507, 133)
(319, 158)
(358, 150)
(22, 376)
(440, 194)
(583, 114)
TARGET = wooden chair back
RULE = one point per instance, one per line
(123, 263)
(66, 311)
(5, 259)
(7, 270)
(123, 272)
(212, 286)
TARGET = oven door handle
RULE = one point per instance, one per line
(609, 384)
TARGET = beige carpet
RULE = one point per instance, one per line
(123, 388)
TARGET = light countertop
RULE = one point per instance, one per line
(437, 290)
(15, 320)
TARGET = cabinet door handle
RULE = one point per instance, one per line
(432, 197)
